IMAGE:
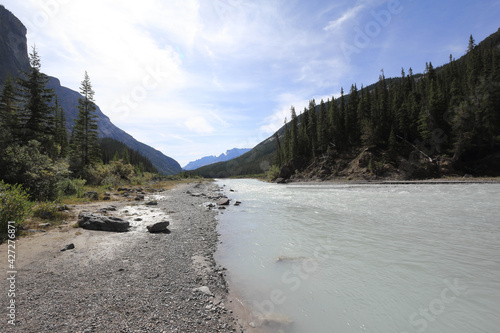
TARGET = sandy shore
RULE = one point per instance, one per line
(124, 282)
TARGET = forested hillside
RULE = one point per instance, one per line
(444, 122)
(114, 150)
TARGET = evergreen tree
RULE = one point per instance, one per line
(60, 132)
(294, 135)
(9, 120)
(36, 111)
(85, 146)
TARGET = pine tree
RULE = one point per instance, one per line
(36, 111)
(9, 120)
(85, 146)
(60, 132)
(294, 133)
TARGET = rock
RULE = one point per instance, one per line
(204, 289)
(68, 247)
(100, 222)
(139, 197)
(62, 208)
(280, 180)
(237, 203)
(160, 227)
(44, 224)
(138, 219)
(126, 194)
(151, 203)
(106, 198)
(91, 195)
(107, 209)
(223, 202)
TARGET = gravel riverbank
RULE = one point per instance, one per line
(125, 282)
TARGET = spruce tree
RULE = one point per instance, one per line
(85, 146)
(36, 111)
(9, 120)
(60, 132)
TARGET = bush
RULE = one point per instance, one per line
(45, 210)
(37, 172)
(14, 206)
(71, 187)
(273, 172)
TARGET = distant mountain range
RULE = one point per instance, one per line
(14, 58)
(207, 160)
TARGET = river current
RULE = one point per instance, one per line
(364, 258)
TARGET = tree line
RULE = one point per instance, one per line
(446, 111)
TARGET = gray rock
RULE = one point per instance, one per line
(44, 224)
(237, 203)
(91, 195)
(280, 180)
(139, 197)
(107, 197)
(223, 202)
(160, 227)
(152, 203)
(204, 289)
(104, 223)
(68, 247)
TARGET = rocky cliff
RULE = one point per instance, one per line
(14, 59)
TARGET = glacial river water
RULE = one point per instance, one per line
(364, 258)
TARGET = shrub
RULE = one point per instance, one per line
(71, 187)
(45, 210)
(14, 206)
(273, 172)
(27, 165)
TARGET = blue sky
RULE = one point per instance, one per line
(197, 77)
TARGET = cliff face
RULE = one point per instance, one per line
(14, 59)
(13, 49)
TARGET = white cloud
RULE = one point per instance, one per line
(199, 125)
(347, 16)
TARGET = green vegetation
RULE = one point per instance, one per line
(14, 206)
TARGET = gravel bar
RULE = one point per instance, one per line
(134, 281)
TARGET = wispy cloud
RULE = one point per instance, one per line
(347, 16)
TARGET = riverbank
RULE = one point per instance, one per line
(124, 282)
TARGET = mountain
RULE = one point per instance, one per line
(207, 160)
(14, 59)
(444, 122)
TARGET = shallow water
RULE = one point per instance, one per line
(364, 258)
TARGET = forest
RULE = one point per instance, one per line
(451, 111)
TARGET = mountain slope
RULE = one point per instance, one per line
(14, 59)
(207, 160)
(445, 122)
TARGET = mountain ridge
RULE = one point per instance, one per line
(207, 160)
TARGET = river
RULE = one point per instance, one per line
(364, 258)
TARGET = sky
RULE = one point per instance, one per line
(193, 78)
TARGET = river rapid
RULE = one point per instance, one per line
(364, 258)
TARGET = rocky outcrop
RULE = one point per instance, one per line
(103, 223)
(13, 48)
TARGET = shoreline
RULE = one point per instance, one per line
(130, 282)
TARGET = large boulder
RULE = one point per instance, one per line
(223, 202)
(100, 222)
(160, 227)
